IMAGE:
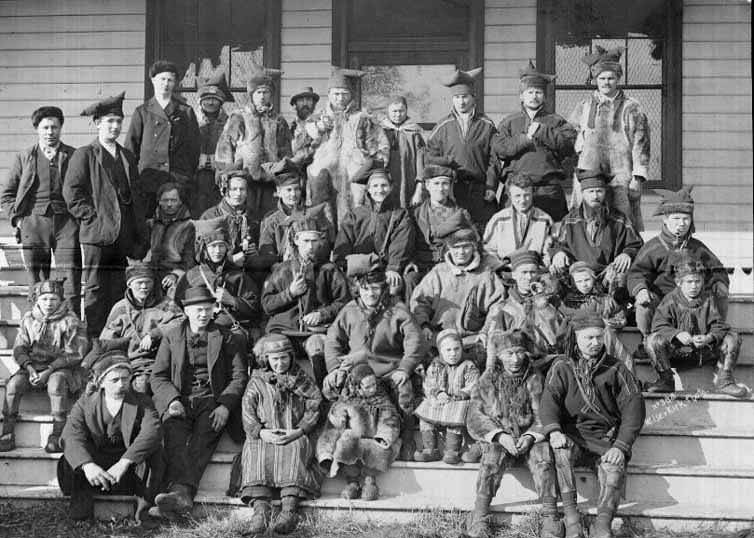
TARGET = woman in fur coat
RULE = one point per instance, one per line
(362, 434)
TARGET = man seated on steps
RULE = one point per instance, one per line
(592, 412)
(113, 443)
(687, 325)
(49, 348)
(504, 417)
(198, 379)
(651, 277)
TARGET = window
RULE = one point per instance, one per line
(406, 48)
(649, 31)
(201, 36)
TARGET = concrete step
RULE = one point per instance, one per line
(13, 276)
(676, 484)
(410, 508)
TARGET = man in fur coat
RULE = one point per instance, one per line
(592, 411)
(253, 140)
(347, 141)
(462, 141)
(535, 141)
(613, 134)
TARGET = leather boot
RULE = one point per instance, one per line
(8, 437)
(408, 445)
(178, 500)
(53, 440)
(664, 383)
(351, 491)
(429, 452)
(143, 517)
(726, 384)
(472, 454)
(452, 448)
(478, 522)
(260, 517)
(287, 519)
(601, 526)
(552, 527)
(370, 491)
(571, 517)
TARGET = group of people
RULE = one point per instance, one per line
(329, 291)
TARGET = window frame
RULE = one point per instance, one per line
(672, 87)
(155, 30)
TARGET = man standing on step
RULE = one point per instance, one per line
(99, 190)
(33, 200)
(198, 379)
(592, 412)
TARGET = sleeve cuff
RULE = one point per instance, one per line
(490, 436)
(550, 428)
(623, 447)
(537, 436)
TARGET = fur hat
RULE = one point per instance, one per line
(676, 202)
(376, 170)
(462, 82)
(457, 229)
(366, 268)
(46, 112)
(531, 78)
(306, 92)
(584, 319)
(684, 263)
(595, 178)
(163, 66)
(604, 60)
(286, 172)
(501, 340)
(211, 230)
(110, 105)
(216, 86)
(271, 343)
(261, 77)
(139, 270)
(46, 286)
(341, 78)
(109, 361)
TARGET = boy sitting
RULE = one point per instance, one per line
(688, 325)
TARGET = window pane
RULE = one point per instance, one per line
(642, 67)
(569, 67)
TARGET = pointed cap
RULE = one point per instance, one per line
(604, 60)
(216, 85)
(341, 77)
(463, 81)
(262, 77)
(530, 77)
(675, 202)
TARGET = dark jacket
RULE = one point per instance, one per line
(226, 361)
(166, 140)
(22, 178)
(92, 199)
(428, 248)
(652, 267)
(676, 314)
(366, 229)
(84, 434)
(241, 225)
(327, 293)
(616, 236)
(613, 419)
(274, 237)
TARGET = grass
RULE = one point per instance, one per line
(50, 520)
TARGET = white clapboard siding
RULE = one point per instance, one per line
(306, 50)
(70, 54)
(510, 31)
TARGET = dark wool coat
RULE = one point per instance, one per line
(172, 243)
(366, 419)
(428, 249)
(23, 179)
(676, 314)
(327, 293)
(92, 199)
(613, 418)
(226, 361)
(280, 402)
(164, 140)
(616, 236)
(274, 237)
(652, 268)
(502, 403)
(367, 229)
(84, 434)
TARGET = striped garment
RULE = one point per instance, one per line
(266, 406)
(457, 381)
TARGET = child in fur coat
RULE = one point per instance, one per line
(362, 434)
(447, 390)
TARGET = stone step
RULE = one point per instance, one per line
(412, 508)
(675, 484)
(13, 276)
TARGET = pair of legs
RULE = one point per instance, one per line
(495, 460)
(454, 440)
(58, 234)
(260, 497)
(58, 389)
(645, 313)
(662, 351)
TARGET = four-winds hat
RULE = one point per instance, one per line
(524, 256)
(109, 106)
(197, 295)
(502, 340)
(109, 361)
(46, 112)
(584, 319)
(604, 60)
(685, 263)
(581, 267)
(341, 77)
(305, 222)
(437, 170)
(209, 231)
(308, 91)
(261, 77)
(365, 268)
(272, 343)
(216, 86)
(286, 172)
(47, 286)
(675, 202)
(463, 81)
(531, 78)
(457, 229)
(590, 179)
(163, 66)
(375, 170)
(139, 270)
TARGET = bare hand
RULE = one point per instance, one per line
(490, 195)
(222, 296)
(643, 298)
(239, 258)
(394, 280)
(325, 123)
(429, 334)
(701, 340)
(251, 250)
(719, 289)
(43, 377)
(614, 456)
(312, 319)
(33, 375)
(560, 261)
(418, 196)
(219, 417)
(443, 397)
(298, 286)
(176, 409)
(269, 436)
(558, 440)
(290, 436)
(340, 420)
(524, 443)
(508, 443)
(119, 469)
(399, 377)
(168, 281)
(97, 476)
(685, 338)
(634, 187)
(622, 263)
(146, 343)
